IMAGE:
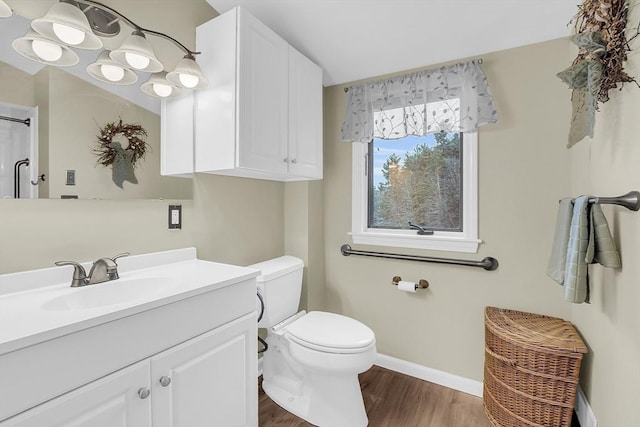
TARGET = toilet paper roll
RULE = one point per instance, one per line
(403, 285)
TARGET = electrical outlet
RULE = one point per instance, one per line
(175, 216)
(71, 177)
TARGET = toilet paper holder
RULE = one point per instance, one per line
(422, 284)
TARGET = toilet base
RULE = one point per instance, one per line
(324, 401)
(319, 396)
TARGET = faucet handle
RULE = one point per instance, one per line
(123, 254)
(79, 273)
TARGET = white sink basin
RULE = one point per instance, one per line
(108, 293)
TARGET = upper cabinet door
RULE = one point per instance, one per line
(262, 96)
(305, 116)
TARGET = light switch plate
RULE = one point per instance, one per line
(175, 216)
(71, 177)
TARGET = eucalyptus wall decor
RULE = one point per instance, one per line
(603, 44)
(122, 160)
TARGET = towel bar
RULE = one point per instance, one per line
(487, 263)
(631, 200)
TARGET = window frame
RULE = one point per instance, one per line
(463, 241)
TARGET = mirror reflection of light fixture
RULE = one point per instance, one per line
(107, 70)
(41, 49)
(81, 23)
(159, 87)
(5, 10)
(136, 52)
(69, 25)
(188, 74)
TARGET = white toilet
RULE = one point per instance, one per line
(312, 364)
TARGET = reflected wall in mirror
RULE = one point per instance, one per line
(69, 108)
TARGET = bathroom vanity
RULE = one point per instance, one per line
(170, 343)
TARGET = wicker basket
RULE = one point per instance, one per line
(532, 368)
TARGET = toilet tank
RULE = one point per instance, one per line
(279, 284)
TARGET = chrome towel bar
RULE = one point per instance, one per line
(487, 263)
(631, 200)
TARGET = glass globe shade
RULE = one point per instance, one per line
(47, 51)
(162, 90)
(138, 62)
(112, 72)
(68, 34)
(188, 80)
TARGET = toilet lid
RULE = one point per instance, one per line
(331, 331)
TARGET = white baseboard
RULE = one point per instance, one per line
(583, 411)
(446, 379)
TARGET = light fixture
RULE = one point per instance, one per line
(80, 24)
(41, 49)
(137, 52)
(159, 87)
(68, 24)
(188, 74)
(5, 10)
(107, 70)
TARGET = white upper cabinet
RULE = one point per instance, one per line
(261, 116)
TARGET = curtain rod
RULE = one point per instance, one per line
(11, 119)
(479, 61)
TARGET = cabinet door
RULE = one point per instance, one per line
(176, 136)
(213, 379)
(262, 96)
(112, 401)
(305, 116)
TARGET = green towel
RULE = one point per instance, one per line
(582, 237)
(576, 274)
(558, 258)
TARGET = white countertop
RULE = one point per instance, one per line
(29, 301)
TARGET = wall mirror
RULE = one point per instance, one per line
(67, 109)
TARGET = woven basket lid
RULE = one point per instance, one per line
(534, 331)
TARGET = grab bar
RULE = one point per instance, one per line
(16, 177)
(488, 263)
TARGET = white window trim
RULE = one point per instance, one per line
(464, 241)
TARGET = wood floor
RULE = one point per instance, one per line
(396, 400)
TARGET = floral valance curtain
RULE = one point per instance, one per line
(448, 99)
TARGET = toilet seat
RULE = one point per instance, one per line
(330, 333)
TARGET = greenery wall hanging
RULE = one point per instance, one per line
(122, 160)
(602, 42)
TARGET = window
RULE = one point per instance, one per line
(429, 180)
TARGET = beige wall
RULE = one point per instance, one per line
(522, 173)
(607, 165)
(16, 86)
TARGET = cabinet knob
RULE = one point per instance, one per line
(144, 392)
(294, 161)
(165, 381)
(286, 159)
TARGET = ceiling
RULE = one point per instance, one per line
(358, 39)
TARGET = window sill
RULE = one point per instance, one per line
(436, 243)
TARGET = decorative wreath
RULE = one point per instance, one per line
(107, 149)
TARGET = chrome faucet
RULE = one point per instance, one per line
(103, 270)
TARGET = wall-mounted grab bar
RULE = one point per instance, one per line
(12, 119)
(487, 263)
(16, 177)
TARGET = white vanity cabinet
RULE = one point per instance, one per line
(203, 381)
(261, 116)
(181, 352)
